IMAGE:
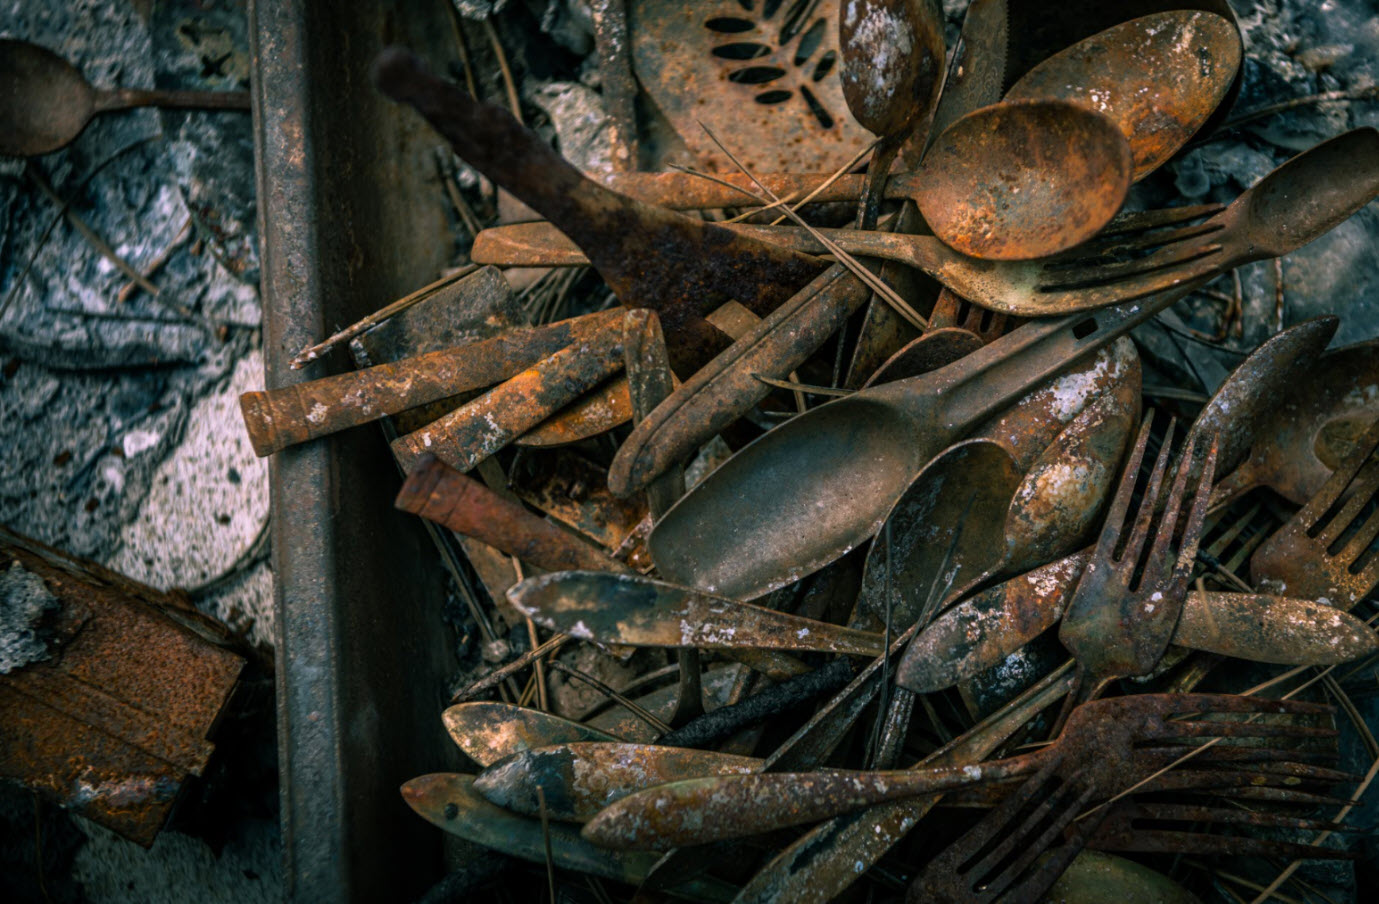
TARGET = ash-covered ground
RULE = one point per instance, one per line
(120, 436)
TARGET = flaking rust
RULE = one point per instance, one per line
(112, 724)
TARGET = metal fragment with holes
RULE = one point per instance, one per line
(766, 76)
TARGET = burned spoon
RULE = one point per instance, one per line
(991, 626)
(1236, 412)
(449, 801)
(1307, 427)
(45, 102)
(488, 732)
(1159, 77)
(580, 779)
(775, 511)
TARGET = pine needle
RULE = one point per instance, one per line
(874, 282)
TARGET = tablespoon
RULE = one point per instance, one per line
(778, 510)
(1307, 428)
(892, 68)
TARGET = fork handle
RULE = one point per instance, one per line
(698, 811)
(1002, 371)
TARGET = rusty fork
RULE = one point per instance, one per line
(1136, 826)
(1323, 551)
(1118, 625)
(1003, 856)
(1099, 744)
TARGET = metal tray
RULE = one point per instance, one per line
(350, 217)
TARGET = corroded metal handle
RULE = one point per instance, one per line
(278, 418)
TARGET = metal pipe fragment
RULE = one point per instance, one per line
(472, 432)
(439, 493)
(278, 418)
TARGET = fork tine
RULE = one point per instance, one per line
(1107, 249)
(1249, 730)
(1168, 257)
(1168, 753)
(951, 869)
(1068, 810)
(1357, 494)
(1274, 794)
(1194, 275)
(1356, 545)
(1198, 703)
(1192, 530)
(1204, 844)
(1149, 503)
(1120, 505)
(1166, 812)
(1159, 217)
(1157, 563)
(1335, 486)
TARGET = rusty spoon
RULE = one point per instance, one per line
(45, 102)
(892, 69)
(1159, 77)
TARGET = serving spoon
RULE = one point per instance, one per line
(45, 102)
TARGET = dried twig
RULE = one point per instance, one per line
(499, 675)
(127, 291)
(81, 226)
(613, 695)
(1328, 97)
(307, 355)
(508, 84)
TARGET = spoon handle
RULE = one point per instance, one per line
(124, 98)
(997, 374)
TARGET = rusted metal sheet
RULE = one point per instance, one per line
(278, 418)
(764, 79)
(111, 725)
(608, 406)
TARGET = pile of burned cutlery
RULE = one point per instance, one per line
(944, 618)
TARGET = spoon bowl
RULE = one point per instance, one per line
(45, 102)
(1158, 77)
(1024, 179)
